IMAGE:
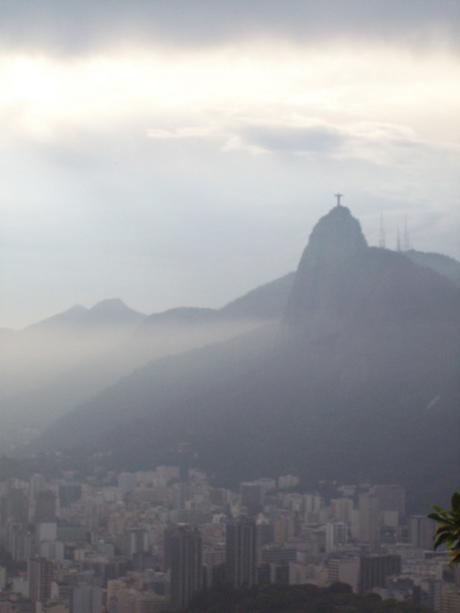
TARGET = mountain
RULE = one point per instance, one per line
(42, 366)
(75, 315)
(107, 313)
(182, 316)
(62, 361)
(42, 351)
(265, 302)
(359, 381)
(446, 266)
(335, 249)
(268, 302)
(113, 312)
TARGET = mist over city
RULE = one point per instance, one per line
(230, 306)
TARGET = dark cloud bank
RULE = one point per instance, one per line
(70, 26)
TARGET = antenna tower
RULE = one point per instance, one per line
(382, 237)
(406, 242)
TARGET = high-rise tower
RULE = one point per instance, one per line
(241, 553)
(40, 572)
(183, 557)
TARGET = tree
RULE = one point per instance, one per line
(448, 530)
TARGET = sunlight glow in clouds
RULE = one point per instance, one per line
(42, 95)
(184, 164)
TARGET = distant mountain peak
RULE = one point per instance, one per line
(70, 316)
(336, 234)
(113, 310)
(110, 305)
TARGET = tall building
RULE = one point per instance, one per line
(312, 503)
(40, 573)
(391, 497)
(251, 497)
(345, 569)
(342, 509)
(137, 541)
(183, 557)
(369, 519)
(20, 542)
(15, 507)
(241, 553)
(336, 534)
(374, 569)
(421, 531)
(45, 507)
(86, 599)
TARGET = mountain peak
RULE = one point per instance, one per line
(113, 311)
(335, 240)
(110, 305)
(336, 235)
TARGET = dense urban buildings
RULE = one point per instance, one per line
(150, 541)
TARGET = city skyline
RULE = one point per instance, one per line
(155, 540)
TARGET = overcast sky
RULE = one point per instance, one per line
(178, 153)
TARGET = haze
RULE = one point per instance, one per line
(230, 306)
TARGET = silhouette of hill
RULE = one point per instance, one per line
(183, 316)
(446, 266)
(265, 302)
(111, 312)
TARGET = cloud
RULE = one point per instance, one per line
(288, 139)
(132, 122)
(372, 141)
(257, 138)
(72, 26)
(376, 142)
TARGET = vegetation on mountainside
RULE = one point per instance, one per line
(296, 599)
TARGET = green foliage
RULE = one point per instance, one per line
(337, 598)
(448, 530)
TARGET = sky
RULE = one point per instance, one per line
(179, 153)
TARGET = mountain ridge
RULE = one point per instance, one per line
(111, 311)
(266, 301)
